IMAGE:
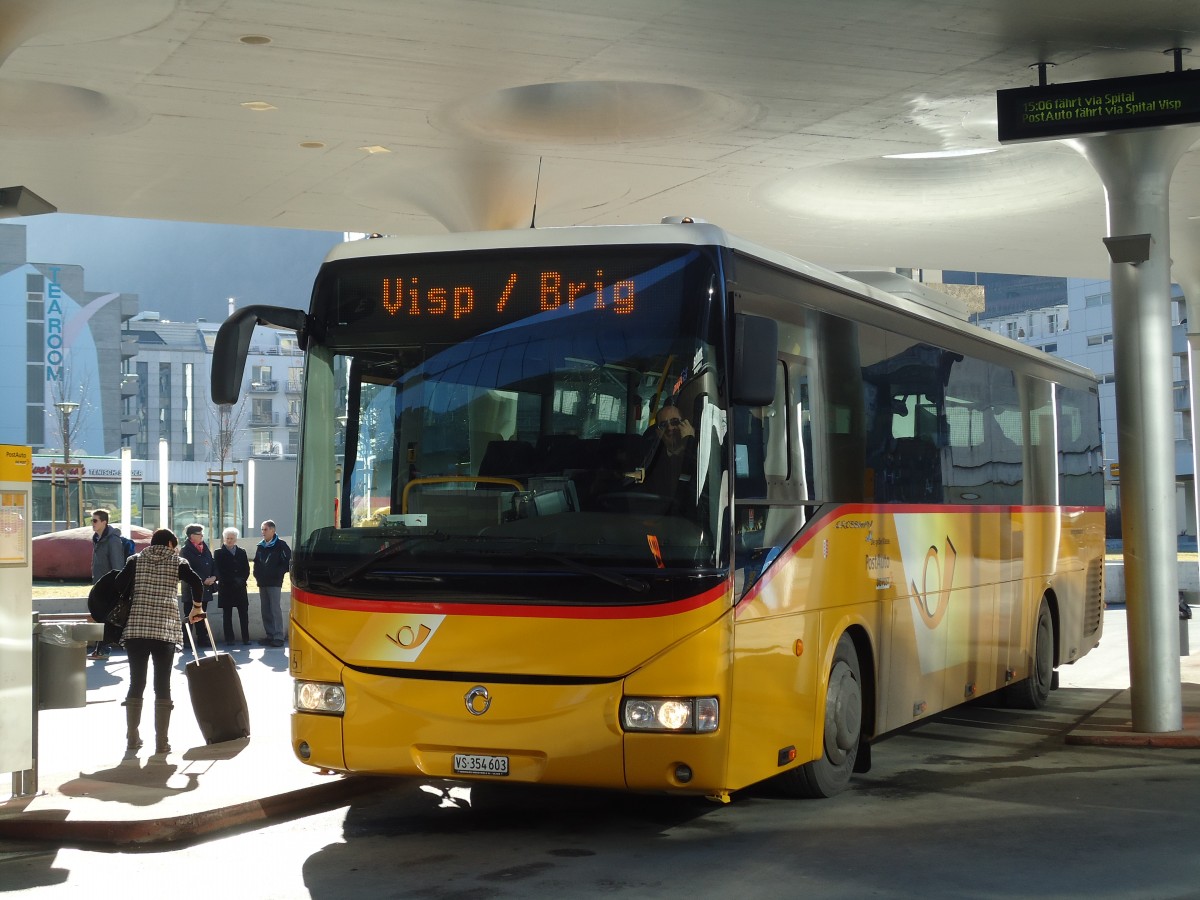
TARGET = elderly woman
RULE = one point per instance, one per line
(233, 570)
(153, 630)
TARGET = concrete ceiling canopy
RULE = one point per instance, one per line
(1020, 179)
(49, 109)
(775, 120)
(592, 112)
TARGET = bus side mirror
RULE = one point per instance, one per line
(755, 343)
(233, 344)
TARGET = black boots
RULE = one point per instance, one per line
(133, 718)
(162, 720)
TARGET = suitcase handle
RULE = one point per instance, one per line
(212, 641)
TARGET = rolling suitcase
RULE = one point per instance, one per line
(216, 692)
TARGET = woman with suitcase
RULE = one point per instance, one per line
(153, 630)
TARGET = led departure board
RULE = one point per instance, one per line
(451, 296)
(1051, 111)
(407, 297)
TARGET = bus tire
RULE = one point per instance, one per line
(830, 773)
(1034, 691)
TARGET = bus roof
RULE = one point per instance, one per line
(700, 234)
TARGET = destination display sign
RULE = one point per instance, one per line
(1051, 111)
(450, 297)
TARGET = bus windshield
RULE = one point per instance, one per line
(525, 412)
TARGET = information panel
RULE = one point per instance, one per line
(16, 611)
(1048, 112)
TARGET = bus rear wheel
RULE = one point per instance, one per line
(830, 773)
(1034, 691)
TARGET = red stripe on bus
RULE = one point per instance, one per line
(659, 610)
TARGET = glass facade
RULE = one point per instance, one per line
(187, 503)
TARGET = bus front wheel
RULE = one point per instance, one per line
(1034, 691)
(830, 773)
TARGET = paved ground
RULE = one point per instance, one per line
(93, 793)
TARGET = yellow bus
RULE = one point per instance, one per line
(652, 508)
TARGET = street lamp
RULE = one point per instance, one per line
(66, 407)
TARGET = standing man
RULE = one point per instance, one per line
(272, 558)
(108, 553)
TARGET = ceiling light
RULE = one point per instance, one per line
(312, 145)
(943, 154)
(258, 105)
(375, 148)
(254, 39)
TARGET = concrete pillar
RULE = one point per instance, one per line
(1136, 170)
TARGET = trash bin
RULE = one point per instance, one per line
(62, 662)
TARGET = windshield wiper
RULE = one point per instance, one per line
(533, 543)
(386, 552)
(398, 546)
(628, 582)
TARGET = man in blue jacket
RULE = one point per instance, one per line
(108, 553)
(272, 559)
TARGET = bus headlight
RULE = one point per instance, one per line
(696, 715)
(320, 697)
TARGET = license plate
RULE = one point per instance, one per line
(477, 764)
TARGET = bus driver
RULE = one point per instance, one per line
(672, 470)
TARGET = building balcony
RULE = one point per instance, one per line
(259, 419)
(264, 387)
(1179, 340)
(1181, 396)
(129, 385)
(129, 347)
(294, 386)
(1183, 458)
(292, 419)
(129, 426)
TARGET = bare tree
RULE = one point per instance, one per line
(69, 389)
(222, 426)
(75, 388)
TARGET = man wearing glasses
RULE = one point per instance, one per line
(108, 553)
(672, 471)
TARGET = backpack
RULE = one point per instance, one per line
(107, 604)
(103, 597)
(129, 545)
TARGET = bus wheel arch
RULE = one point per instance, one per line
(849, 717)
(867, 669)
(1033, 691)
